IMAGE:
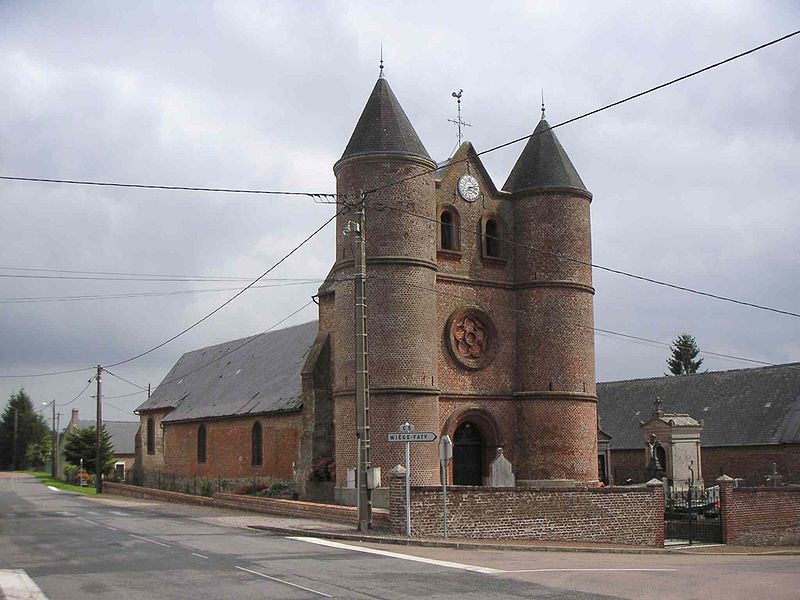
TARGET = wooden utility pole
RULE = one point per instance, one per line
(53, 450)
(98, 470)
(14, 449)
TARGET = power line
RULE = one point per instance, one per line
(130, 412)
(124, 395)
(232, 298)
(136, 385)
(581, 325)
(91, 278)
(40, 299)
(314, 195)
(597, 110)
(79, 394)
(65, 372)
(139, 276)
(564, 257)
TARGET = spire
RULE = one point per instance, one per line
(384, 128)
(381, 73)
(543, 163)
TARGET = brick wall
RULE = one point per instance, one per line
(631, 515)
(759, 516)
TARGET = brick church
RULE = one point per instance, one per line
(480, 323)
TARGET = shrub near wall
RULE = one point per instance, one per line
(618, 515)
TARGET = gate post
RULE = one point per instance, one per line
(656, 489)
(725, 497)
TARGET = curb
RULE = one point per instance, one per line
(460, 545)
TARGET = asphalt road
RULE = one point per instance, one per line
(76, 546)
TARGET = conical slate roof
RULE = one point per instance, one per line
(543, 163)
(384, 128)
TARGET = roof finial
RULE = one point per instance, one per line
(458, 121)
(381, 74)
(542, 104)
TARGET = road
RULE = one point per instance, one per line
(75, 546)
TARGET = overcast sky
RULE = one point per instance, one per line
(695, 184)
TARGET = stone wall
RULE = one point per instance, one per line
(759, 516)
(614, 515)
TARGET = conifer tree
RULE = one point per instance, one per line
(30, 429)
(80, 444)
(683, 358)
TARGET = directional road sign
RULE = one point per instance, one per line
(414, 436)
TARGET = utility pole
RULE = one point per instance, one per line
(16, 427)
(363, 453)
(58, 436)
(53, 450)
(98, 471)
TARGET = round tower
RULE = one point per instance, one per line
(555, 370)
(385, 152)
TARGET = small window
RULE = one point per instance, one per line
(256, 445)
(201, 444)
(151, 436)
(492, 242)
(448, 229)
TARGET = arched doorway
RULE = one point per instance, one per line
(467, 455)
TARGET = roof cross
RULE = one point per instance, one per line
(458, 121)
(658, 402)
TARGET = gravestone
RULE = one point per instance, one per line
(500, 473)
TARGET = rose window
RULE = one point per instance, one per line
(470, 336)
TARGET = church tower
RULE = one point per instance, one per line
(556, 401)
(386, 160)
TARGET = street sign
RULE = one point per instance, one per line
(416, 436)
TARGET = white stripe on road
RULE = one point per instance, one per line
(88, 521)
(200, 555)
(430, 561)
(573, 570)
(111, 528)
(15, 583)
(55, 489)
(284, 582)
(138, 537)
(64, 513)
(120, 513)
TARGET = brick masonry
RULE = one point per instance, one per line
(759, 516)
(630, 515)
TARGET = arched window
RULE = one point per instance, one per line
(256, 452)
(201, 444)
(448, 229)
(151, 436)
(492, 245)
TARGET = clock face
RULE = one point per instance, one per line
(468, 188)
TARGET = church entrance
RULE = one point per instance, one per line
(467, 455)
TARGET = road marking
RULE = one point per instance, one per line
(15, 583)
(430, 561)
(64, 513)
(138, 537)
(573, 570)
(88, 521)
(111, 528)
(200, 555)
(285, 582)
(120, 513)
(91, 512)
(55, 489)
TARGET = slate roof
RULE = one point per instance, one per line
(543, 163)
(262, 376)
(740, 407)
(123, 434)
(384, 128)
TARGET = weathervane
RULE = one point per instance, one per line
(457, 95)
(542, 104)
(381, 75)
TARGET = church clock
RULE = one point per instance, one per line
(468, 188)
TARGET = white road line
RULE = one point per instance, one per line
(574, 570)
(430, 561)
(91, 512)
(55, 489)
(200, 555)
(284, 582)
(111, 528)
(138, 537)
(15, 583)
(88, 521)
(64, 513)
(120, 513)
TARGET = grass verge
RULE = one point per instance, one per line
(46, 479)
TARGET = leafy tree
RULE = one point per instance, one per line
(683, 358)
(80, 444)
(31, 428)
(39, 453)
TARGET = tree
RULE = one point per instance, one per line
(80, 444)
(683, 359)
(39, 453)
(30, 429)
